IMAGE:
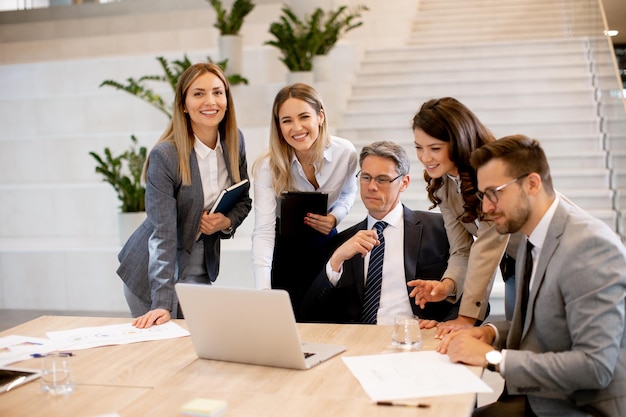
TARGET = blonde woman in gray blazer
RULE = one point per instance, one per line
(200, 153)
(446, 133)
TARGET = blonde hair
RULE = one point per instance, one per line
(280, 153)
(179, 131)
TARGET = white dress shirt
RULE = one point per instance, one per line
(337, 177)
(213, 173)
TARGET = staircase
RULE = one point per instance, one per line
(522, 69)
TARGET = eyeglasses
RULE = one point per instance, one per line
(492, 193)
(381, 180)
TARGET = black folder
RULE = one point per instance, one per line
(294, 205)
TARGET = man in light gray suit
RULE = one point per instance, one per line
(564, 352)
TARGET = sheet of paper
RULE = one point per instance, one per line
(118, 334)
(15, 348)
(394, 376)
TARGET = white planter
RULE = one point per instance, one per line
(231, 48)
(305, 77)
(322, 70)
(128, 223)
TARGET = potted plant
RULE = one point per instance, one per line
(229, 24)
(301, 41)
(123, 172)
(328, 27)
(295, 40)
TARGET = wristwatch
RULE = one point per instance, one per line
(493, 357)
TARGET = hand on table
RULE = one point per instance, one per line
(152, 317)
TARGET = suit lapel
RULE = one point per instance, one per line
(359, 267)
(550, 244)
(412, 241)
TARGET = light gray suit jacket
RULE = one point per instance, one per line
(570, 357)
(159, 249)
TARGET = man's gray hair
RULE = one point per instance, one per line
(387, 149)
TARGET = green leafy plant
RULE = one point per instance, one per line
(328, 27)
(295, 40)
(123, 172)
(299, 40)
(229, 23)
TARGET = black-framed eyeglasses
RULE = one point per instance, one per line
(492, 193)
(381, 180)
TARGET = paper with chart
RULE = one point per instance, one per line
(394, 376)
(15, 348)
(118, 334)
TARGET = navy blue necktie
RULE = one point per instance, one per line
(374, 278)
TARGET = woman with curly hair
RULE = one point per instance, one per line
(446, 133)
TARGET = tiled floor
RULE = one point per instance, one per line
(11, 318)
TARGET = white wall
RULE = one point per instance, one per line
(58, 220)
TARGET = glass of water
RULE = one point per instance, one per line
(56, 374)
(406, 333)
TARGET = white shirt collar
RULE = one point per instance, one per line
(202, 150)
(327, 156)
(394, 218)
(457, 181)
(538, 235)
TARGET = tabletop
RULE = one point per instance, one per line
(157, 378)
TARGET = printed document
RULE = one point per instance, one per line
(394, 376)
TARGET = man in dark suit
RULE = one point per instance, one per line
(410, 245)
(564, 351)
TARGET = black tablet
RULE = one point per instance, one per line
(11, 378)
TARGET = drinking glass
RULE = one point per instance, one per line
(406, 333)
(56, 374)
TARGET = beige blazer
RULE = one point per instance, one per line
(473, 262)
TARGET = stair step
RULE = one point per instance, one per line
(461, 74)
(493, 49)
(576, 59)
(564, 114)
(453, 87)
(475, 102)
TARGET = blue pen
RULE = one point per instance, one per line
(43, 355)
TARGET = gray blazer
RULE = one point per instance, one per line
(159, 249)
(570, 357)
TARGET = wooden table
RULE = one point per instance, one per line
(157, 378)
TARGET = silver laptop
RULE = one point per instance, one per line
(248, 326)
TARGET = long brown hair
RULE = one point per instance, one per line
(179, 131)
(449, 120)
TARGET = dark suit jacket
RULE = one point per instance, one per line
(159, 249)
(426, 252)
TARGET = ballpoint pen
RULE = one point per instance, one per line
(404, 404)
(43, 355)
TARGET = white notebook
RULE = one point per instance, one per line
(248, 326)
